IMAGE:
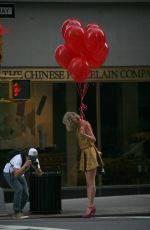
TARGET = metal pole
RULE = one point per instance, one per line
(98, 121)
(98, 118)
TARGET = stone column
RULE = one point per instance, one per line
(72, 146)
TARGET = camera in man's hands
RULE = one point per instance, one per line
(33, 160)
(35, 163)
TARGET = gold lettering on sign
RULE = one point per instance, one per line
(105, 74)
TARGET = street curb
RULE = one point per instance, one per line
(6, 217)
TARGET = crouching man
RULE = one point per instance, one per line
(14, 173)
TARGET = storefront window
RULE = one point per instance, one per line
(122, 128)
(125, 132)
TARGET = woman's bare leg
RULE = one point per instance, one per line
(91, 187)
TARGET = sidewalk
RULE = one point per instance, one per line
(106, 206)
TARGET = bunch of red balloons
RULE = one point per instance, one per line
(85, 48)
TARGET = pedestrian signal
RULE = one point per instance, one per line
(1, 54)
(19, 89)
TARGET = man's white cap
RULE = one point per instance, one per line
(33, 152)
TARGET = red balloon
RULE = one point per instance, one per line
(91, 25)
(63, 55)
(79, 69)
(96, 60)
(105, 50)
(74, 37)
(94, 39)
(69, 22)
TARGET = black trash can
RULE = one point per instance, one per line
(45, 192)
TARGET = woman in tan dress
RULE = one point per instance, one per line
(90, 157)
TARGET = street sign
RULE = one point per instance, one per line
(7, 10)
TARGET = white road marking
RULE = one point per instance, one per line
(15, 227)
(121, 217)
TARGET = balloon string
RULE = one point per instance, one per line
(82, 90)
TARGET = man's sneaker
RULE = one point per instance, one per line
(20, 215)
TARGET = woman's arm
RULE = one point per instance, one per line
(87, 131)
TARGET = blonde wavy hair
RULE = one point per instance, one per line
(69, 119)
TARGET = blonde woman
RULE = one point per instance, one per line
(90, 157)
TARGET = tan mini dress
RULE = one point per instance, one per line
(90, 157)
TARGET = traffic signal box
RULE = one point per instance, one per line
(1, 44)
(19, 89)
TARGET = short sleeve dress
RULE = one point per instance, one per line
(90, 157)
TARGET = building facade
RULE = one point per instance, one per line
(117, 98)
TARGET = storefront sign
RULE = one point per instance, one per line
(105, 74)
(7, 10)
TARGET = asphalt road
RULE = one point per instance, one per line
(96, 223)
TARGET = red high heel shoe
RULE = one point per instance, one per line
(91, 213)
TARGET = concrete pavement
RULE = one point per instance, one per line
(106, 206)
